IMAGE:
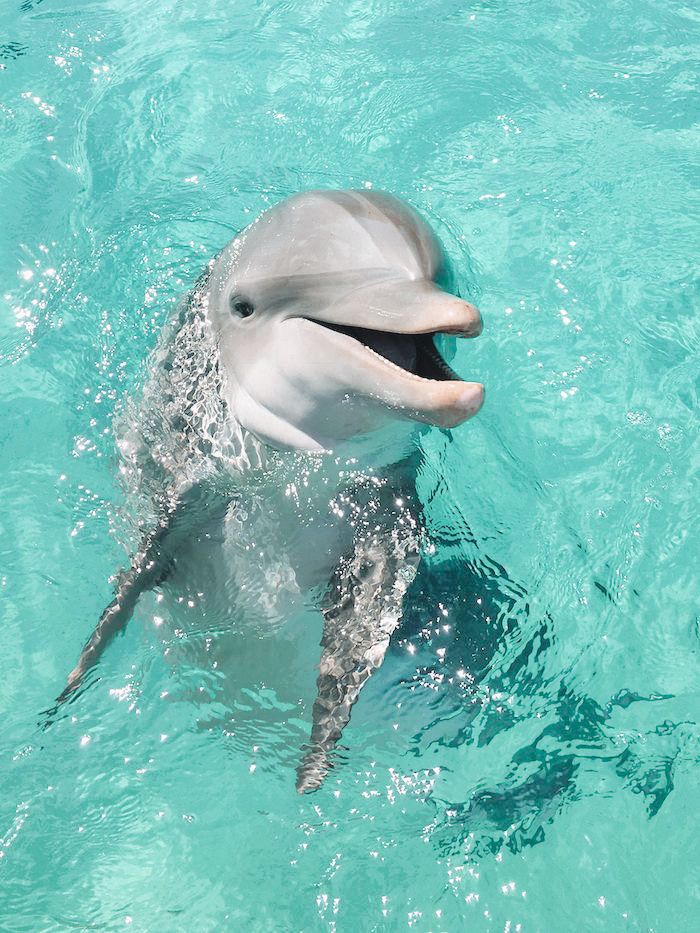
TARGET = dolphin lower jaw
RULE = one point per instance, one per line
(422, 385)
(462, 402)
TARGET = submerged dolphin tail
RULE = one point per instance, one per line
(181, 514)
(364, 607)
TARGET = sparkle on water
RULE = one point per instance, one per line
(526, 759)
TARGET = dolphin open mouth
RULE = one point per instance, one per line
(414, 353)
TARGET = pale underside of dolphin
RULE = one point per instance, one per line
(322, 316)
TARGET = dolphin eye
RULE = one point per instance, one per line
(241, 306)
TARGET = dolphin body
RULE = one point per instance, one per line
(281, 407)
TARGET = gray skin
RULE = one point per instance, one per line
(321, 317)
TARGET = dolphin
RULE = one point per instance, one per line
(287, 391)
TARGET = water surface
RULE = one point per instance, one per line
(527, 758)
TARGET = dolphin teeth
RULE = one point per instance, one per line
(412, 354)
(431, 354)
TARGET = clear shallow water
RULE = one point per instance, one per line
(552, 146)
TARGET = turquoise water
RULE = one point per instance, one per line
(527, 757)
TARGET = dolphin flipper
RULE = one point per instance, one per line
(362, 609)
(182, 514)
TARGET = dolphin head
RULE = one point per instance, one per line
(325, 310)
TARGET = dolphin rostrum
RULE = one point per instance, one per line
(292, 383)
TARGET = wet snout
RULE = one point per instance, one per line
(448, 314)
(403, 306)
